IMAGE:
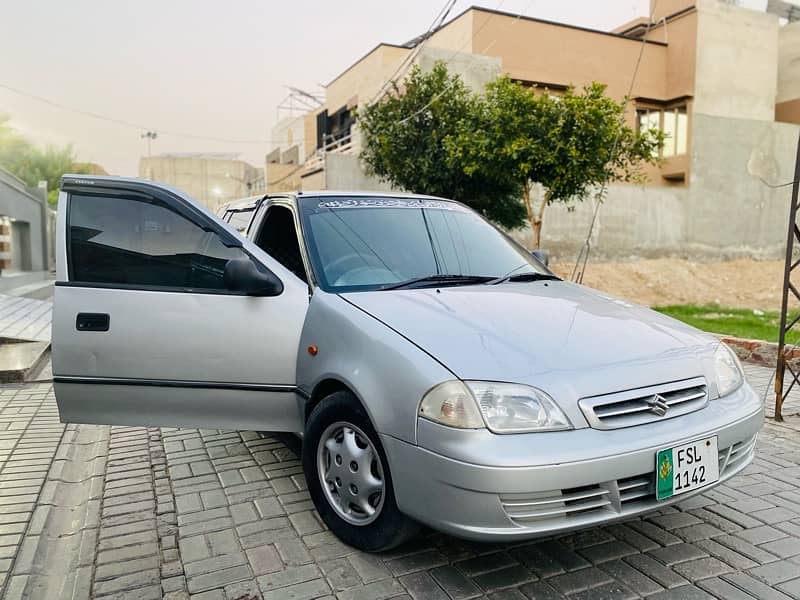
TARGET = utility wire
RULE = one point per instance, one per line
(285, 177)
(458, 52)
(583, 254)
(406, 62)
(125, 123)
(775, 186)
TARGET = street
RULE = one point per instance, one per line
(131, 512)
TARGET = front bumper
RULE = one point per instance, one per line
(569, 482)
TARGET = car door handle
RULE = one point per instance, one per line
(92, 322)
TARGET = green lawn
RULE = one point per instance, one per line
(737, 322)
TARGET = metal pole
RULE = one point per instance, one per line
(793, 233)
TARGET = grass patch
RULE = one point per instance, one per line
(736, 322)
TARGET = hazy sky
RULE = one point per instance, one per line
(204, 67)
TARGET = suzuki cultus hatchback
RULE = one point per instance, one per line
(438, 372)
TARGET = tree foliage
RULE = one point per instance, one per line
(32, 164)
(568, 144)
(508, 153)
(405, 142)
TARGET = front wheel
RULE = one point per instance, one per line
(348, 476)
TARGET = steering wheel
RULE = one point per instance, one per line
(336, 268)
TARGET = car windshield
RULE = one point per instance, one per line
(373, 243)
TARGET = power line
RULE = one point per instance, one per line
(583, 255)
(456, 53)
(775, 186)
(131, 124)
(437, 23)
(285, 177)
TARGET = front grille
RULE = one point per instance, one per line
(632, 489)
(601, 501)
(557, 504)
(645, 405)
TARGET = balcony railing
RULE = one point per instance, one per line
(346, 144)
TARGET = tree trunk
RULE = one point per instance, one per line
(535, 214)
(526, 200)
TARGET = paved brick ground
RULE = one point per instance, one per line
(116, 512)
(25, 318)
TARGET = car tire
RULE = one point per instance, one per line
(325, 450)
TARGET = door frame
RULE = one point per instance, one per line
(86, 393)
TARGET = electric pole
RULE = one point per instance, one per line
(150, 136)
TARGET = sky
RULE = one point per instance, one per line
(207, 68)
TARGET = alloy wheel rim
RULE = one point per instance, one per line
(351, 473)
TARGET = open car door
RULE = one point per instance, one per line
(153, 321)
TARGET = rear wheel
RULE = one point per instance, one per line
(348, 476)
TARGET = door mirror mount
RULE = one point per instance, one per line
(543, 256)
(242, 275)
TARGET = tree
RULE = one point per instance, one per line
(32, 164)
(567, 144)
(405, 142)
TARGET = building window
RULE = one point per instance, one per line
(673, 121)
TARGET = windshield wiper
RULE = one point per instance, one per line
(533, 276)
(433, 280)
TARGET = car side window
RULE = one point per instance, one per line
(240, 219)
(142, 243)
(278, 238)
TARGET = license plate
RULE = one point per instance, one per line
(685, 468)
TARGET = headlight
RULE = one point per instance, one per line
(451, 403)
(502, 407)
(513, 408)
(728, 369)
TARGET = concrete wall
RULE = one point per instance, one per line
(291, 133)
(26, 205)
(475, 70)
(729, 209)
(737, 62)
(726, 211)
(344, 172)
(282, 177)
(363, 80)
(681, 35)
(665, 8)
(457, 36)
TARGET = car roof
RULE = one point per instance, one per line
(369, 194)
(252, 201)
(243, 203)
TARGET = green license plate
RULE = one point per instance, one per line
(685, 468)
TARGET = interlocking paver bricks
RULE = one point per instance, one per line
(580, 580)
(653, 569)
(174, 513)
(754, 587)
(677, 553)
(622, 571)
(776, 572)
(725, 554)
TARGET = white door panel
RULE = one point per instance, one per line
(210, 408)
(179, 336)
(145, 331)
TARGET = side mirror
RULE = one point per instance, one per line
(242, 275)
(543, 256)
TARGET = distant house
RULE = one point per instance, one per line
(25, 246)
(721, 81)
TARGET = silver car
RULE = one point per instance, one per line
(439, 373)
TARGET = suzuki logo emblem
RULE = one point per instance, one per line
(658, 406)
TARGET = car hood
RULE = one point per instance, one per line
(556, 335)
